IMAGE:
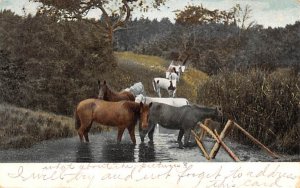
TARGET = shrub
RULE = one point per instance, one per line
(265, 104)
(48, 65)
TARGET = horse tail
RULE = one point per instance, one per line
(77, 120)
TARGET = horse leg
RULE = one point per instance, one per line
(142, 134)
(158, 92)
(187, 134)
(170, 93)
(80, 134)
(179, 138)
(131, 133)
(120, 134)
(86, 132)
(174, 92)
(151, 132)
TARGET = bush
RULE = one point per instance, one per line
(265, 104)
(48, 65)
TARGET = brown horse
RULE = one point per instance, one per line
(123, 114)
(108, 95)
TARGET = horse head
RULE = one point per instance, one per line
(144, 115)
(182, 68)
(102, 89)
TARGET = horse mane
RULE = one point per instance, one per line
(114, 94)
(134, 106)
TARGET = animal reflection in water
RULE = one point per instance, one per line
(105, 93)
(123, 152)
(84, 153)
(184, 119)
(122, 114)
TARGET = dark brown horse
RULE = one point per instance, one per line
(108, 95)
(123, 114)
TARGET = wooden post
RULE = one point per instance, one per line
(232, 155)
(208, 131)
(198, 140)
(274, 155)
(220, 142)
(217, 145)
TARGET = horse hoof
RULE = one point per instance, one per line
(181, 146)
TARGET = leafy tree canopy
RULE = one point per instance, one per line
(115, 13)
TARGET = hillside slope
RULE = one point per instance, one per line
(21, 128)
(144, 68)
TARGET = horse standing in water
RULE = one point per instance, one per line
(105, 93)
(123, 114)
(183, 118)
(170, 101)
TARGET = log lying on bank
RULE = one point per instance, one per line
(274, 155)
(220, 142)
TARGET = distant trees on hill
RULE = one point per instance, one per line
(214, 46)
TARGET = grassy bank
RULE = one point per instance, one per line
(144, 68)
(21, 128)
(264, 103)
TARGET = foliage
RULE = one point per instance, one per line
(265, 104)
(200, 15)
(49, 65)
(138, 31)
(115, 13)
(217, 47)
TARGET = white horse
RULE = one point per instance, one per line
(136, 89)
(177, 102)
(179, 69)
(167, 84)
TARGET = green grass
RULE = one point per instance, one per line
(152, 62)
(21, 128)
(147, 67)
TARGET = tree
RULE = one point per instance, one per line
(115, 13)
(200, 15)
(242, 16)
